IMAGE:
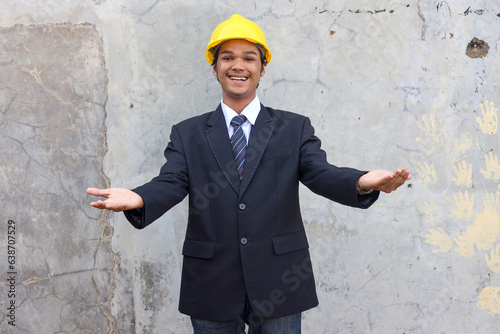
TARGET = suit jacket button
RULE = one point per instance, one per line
(242, 206)
(243, 241)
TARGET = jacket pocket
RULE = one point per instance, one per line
(290, 242)
(278, 153)
(199, 249)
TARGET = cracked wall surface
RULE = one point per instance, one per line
(52, 142)
(89, 91)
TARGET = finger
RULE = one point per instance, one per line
(403, 178)
(400, 171)
(394, 184)
(98, 204)
(93, 191)
(400, 182)
(388, 186)
(404, 173)
(98, 192)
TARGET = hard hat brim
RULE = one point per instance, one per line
(212, 49)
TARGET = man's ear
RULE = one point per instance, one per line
(262, 71)
(214, 69)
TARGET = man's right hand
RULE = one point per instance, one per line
(117, 199)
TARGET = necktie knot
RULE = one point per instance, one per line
(238, 120)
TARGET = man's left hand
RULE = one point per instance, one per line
(384, 180)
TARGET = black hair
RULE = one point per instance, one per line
(261, 48)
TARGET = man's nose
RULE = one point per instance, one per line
(238, 64)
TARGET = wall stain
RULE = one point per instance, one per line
(480, 239)
(474, 11)
(493, 260)
(428, 174)
(489, 299)
(53, 125)
(432, 129)
(358, 11)
(463, 172)
(477, 48)
(489, 121)
(492, 171)
(463, 205)
(439, 238)
(486, 227)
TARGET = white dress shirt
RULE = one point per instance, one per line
(251, 112)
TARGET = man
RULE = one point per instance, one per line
(246, 255)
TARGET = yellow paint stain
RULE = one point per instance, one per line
(492, 171)
(432, 131)
(484, 231)
(493, 261)
(463, 206)
(465, 245)
(439, 238)
(428, 174)
(489, 300)
(463, 174)
(466, 143)
(430, 210)
(489, 122)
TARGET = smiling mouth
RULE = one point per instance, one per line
(238, 78)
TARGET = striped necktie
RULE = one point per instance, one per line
(239, 142)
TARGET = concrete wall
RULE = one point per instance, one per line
(90, 89)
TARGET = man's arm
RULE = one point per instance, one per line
(146, 203)
(338, 184)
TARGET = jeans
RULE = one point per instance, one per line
(285, 325)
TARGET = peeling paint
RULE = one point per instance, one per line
(51, 134)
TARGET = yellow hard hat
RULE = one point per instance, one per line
(237, 27)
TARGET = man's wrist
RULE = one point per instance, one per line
(361, 191)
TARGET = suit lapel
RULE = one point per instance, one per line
(259, 138)
(221, 148)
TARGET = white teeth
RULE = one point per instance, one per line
(238, 79)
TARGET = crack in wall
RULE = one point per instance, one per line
(106, 231)
(37, 75)
(53, 127)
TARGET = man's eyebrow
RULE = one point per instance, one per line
(244, 52)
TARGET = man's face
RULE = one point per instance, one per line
(239, 70)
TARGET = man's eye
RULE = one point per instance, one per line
(250, 59)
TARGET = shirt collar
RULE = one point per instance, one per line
(251, 111)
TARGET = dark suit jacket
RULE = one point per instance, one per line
(245, 239)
